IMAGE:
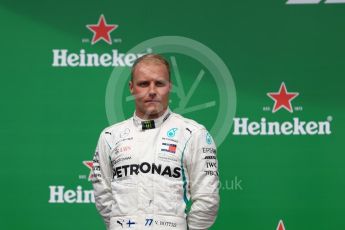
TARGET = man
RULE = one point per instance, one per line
(147, 168)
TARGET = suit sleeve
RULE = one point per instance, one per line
(101, 179)
(203, 181)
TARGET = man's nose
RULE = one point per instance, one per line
(152, 89)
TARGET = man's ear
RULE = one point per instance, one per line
(131, 86)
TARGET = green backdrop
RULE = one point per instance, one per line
(226, 57)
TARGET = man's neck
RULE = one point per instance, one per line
(150, 116)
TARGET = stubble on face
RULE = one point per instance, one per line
(151, 87)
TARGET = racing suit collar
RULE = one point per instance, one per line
(142, 124)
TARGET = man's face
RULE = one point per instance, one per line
(150, 87)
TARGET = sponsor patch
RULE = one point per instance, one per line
(166, 147)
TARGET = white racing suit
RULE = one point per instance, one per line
(145, 173)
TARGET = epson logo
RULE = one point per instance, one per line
(209, 150)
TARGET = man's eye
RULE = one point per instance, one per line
(160, 83)
(143, 84)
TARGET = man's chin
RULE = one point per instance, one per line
(153, 112)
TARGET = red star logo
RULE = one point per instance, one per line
(282, 99)
(280, 225)
(102, 30)
(89, 164)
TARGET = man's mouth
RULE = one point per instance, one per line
(152, 101)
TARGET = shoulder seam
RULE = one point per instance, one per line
(116, 124)
(188, 121)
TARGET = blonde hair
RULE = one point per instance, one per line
(151, 58)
